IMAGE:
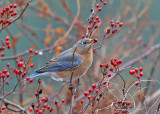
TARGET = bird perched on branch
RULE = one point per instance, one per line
(73, 62)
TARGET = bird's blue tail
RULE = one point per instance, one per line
(34, 75)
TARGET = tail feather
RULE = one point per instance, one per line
(34, 75)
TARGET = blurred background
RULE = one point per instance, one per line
(45, 23)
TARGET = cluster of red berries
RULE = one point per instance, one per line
(137, 73)
(113, 68)
(22, 67)
(114, 27)
(93, 93)
(119, 104)
(5, 43)
(94, 19)
(41, 107)
(6, 13)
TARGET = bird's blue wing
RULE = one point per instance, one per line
(62, 62)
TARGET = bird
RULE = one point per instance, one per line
(76, 60)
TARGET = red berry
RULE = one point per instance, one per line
(82, 101)
(43, 99)
(63, 100)
(97, 90)
(24, 67)
(117, 22)
(40, 112)
(7, 8)
(8, 64)
(2, 54)
(36, 52)
(105, 73)
(112, 24)
(123, 111)
(136, 83)
(141, 69)
(138, 76)
(141, 74)
(97, 5)
(45, 105)
(111, 69)
(108, 30)
(131, 72)
(2, 20)
(104, 82)
(93, 86)
(32, 65)
(9, 46)
(15, 13)
(31, 80)
(89, 97)
(83, 36)
(11, 11)
(85, 93)
(48, 107)
(36, 94)
(30, 109)
(90, 90)
(111, 21)
(89, 27)
(105, 3)
(136, 70)
(99, 9)
(31, 50)
(101, 65)
(27, 78)
(11, 5)
(20, 64)
(39, 81)
(7, 43)
(5, 71)
(96, 27)
(94, 21)
(97, 18)
(120, 24)
(91, 9)
(120, 61)
(128, 103)
(3, 75)
(109, 75)
(4, 107)
(90, 22)
(95, 40)
(15, 5)
(55, 102)
(2, 13)
(103, 96)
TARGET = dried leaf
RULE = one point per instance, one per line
(31, 60)
(47, 40)
(60, 30)
(48, 36)
(14, 42)
(58, 50)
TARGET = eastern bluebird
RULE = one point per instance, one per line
(77, 59)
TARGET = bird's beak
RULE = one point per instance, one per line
(91, 42)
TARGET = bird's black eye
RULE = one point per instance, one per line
(84, 42)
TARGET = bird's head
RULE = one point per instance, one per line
(84, 44)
